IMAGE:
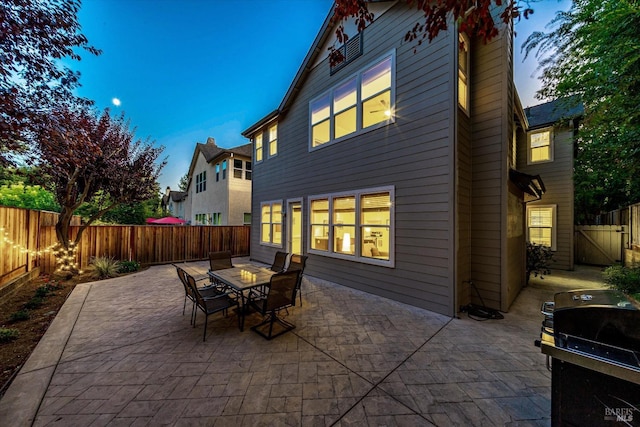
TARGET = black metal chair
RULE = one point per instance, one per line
(280, 294)
(219, 261)
(210, 305)
(279, 261)
(297, 263)
(206, 292)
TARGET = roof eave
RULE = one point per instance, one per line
(300, 77)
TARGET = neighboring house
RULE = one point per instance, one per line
(394, 171)
(219, 190)
(174, 202)
(548, 151)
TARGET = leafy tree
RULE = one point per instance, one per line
(593, 52)
(96, 160)
(184, 182)
(472, 16)
(34, 37)
(28, 197)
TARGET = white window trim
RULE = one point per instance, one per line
(271, 203)
(551, 145)
(357, 257)
(255, 148)
(359, 129)
(269, 140)
(466, 75)
(554, 223)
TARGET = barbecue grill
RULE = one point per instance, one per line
(592, 342)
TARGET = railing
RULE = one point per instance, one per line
(26, 237)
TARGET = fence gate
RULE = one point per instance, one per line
(600, 244)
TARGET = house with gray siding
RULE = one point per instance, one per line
(219, 189)
(548, 151)
(395, 170)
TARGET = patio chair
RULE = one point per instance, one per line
(279, 261)
(219, 261)
(210, 305)
(206, 292)
(280, 294)
(298, 262)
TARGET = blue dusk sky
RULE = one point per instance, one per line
(186, 70)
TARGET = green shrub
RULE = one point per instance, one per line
(624, 279)
(539, 259)
(128, 266)
(34, 303)
(19, 316)
(8, 334)
(105, 267)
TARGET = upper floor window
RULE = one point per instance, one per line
(237, 168)
(239, 172)
(356, 225)
(201, 182)
(273, 140)
(258, 147)
(540, 147)
(271, 223)
(463, 72)
(541, 227)
(358, 103)
(217, 172)
(224, 169)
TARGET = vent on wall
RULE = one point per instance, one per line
(350, 51)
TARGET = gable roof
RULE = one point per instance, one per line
(174, 196)
(552, 112)
(211, 151)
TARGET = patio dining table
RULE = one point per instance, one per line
(241, 279)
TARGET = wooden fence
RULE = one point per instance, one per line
(630, 217)
(26, 237)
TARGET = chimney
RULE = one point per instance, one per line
(211, 141)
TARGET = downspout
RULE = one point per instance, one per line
(454, 171)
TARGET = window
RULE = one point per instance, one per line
(258, 147)
(271, 223)
(208, 218)
(217, 172)
(355, 225)
(273, 140)
(541, 228)
(224, 169)
(356, 104)
(201, 182)
(463, 72)
(246, 220)
(247, 173)
(540, 146)
(216, 218)
(237, 168)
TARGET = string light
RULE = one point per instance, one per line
(64, 257)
